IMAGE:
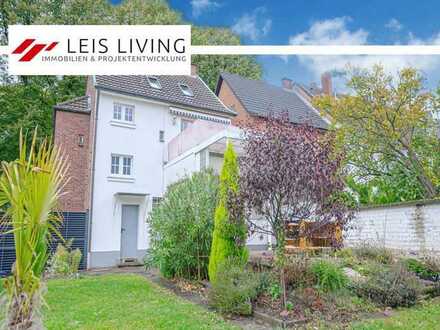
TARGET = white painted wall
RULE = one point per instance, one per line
(142, 142)
(409, 227)
(149, 155)
(180, 167)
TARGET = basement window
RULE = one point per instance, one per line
(186, 90)
(154, 82)
(156, 202)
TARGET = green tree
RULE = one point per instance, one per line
(388, 131)
(210, 66)
(30, 104)
(230, 230)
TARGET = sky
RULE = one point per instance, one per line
(323, 22)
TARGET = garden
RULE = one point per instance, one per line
(291, 182)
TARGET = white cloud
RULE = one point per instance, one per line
(201, 6)
(394, 25)
(254, 25)
(330, 32)
(336, 32)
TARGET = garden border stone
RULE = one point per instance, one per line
(276, 322)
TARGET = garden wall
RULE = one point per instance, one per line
(411, 227)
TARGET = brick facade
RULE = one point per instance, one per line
(92, 93)
(227, 96)
(69, 126)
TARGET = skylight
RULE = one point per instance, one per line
(154, 82)
(186, 90)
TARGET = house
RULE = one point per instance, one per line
(130, 137)
(116, 137)
(253, 99)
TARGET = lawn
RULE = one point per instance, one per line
(120, 302)
(423, 317)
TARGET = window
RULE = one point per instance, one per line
(128, 114)
(123, 112)
(184, 124)
(154, 82)
(161, 136)
(115, 165)
(81, 140)
(117, 111)
(156, 202)
(186, 90)
(127, 165)
(126, 168)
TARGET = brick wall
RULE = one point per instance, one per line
(68, 127)
(226, 95)
(410, 227)
(92, 93)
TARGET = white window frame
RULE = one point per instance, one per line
(120, 116)
(121, 166)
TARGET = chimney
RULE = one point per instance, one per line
(287, 83)
(194, 70)
(326, 83)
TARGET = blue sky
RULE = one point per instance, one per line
(324, 22)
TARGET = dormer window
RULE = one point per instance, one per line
(154, 82)
(186, 90)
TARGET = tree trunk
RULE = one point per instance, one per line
(281, 261)
(427, 185)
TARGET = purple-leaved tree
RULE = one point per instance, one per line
(290, 173)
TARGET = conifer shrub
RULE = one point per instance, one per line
(230, 230)
(181, 227)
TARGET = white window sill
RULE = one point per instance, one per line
(115, 178)
(125, 124)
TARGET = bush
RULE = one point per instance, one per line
(390, 287)
(421, 269)
(181, 227)
(265, 281)
(65, 261)
(374, 253)
(329, 276)
(297, 272)
(233, 290)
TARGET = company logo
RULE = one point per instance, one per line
(34, 50)
(99, 49)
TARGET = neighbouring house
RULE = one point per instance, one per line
(130, 137)
(253, 99)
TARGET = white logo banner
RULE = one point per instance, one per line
(99, 49)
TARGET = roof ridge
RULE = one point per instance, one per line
(259, 96)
